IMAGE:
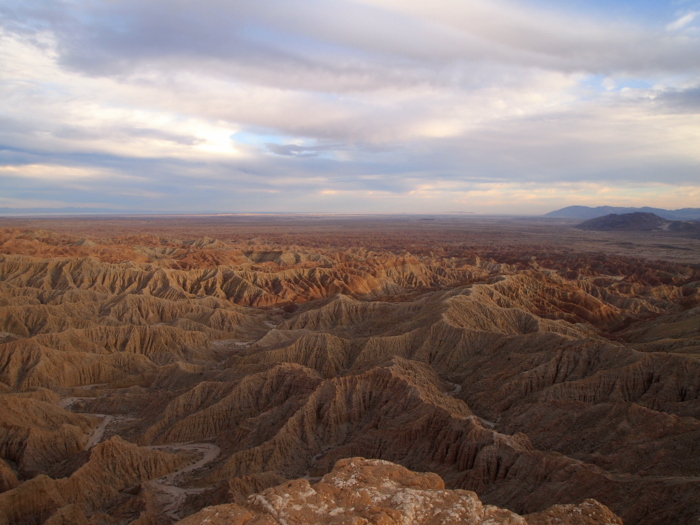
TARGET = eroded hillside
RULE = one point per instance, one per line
(148, 376)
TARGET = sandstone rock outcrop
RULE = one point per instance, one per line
(362, 491)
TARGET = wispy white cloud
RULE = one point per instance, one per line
(682, 21)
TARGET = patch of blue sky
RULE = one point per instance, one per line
(251, 138)
(294, 146)
(647, 12)
(593, 86)
(632, 83)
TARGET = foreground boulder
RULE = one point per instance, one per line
(369, 491)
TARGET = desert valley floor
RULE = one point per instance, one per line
(215, 369)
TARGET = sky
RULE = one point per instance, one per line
(349, 106)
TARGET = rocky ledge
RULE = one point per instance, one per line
(368, 491)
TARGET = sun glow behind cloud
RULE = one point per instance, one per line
(357, 106)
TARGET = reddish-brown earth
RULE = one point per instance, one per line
(157, 368)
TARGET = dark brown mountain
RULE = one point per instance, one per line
(638, 221)
(586, 212)
(642, 222)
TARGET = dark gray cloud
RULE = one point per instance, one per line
(680, 100)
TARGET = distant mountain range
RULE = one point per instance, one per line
(586, 212)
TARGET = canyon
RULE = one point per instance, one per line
(251, 369)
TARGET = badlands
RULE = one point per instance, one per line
(347, 370)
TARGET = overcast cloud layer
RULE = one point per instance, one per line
(484, 106)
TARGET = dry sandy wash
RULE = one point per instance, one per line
(224, 370)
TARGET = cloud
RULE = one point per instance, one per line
(39, 171)
(38, 204)
(340, 44)
(683, 100)
(682, 22)
(232, 105)
(295, 150)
